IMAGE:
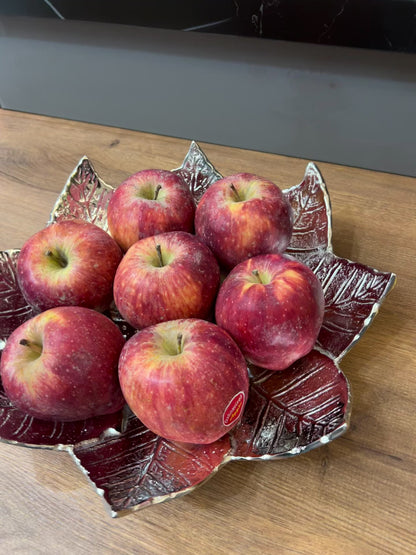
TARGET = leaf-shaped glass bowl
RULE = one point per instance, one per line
(287, 412)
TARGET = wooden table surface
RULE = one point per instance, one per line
(356, 495)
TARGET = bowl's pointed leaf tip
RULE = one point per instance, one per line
(85, 196)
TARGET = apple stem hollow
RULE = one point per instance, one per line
(234, 190)
(179, 340)
(158, 187)
(159, 254)
(33, 346)
(57, 257)
(257, 275)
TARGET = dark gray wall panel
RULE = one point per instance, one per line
(342, 105)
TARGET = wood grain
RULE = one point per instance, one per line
(355, 495)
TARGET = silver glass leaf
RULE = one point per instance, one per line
(197, 171)
(312, 225)
(85, 196)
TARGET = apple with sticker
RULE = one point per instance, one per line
(186, 380)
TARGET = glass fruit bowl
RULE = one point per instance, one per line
(287, 412)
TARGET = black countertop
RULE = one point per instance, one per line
(372, 24)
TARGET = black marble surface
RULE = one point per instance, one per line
(372, 24)
(375, 24)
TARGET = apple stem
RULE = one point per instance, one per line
(179, 339)
(58, 257)
(159, 186)
(34, 346)
(234, 190)
(159, 254)
(257, 274)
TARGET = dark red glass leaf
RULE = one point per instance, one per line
(138, 467)
(14, 310)
(19, 427)
(353, 293)
(126, 329)
(290, 410)
(197, 171)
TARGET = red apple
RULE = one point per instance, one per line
(241, 216)
(186, 380)
(148, 203)
(165, 277)
(273, 307)
(68, 263)
(62, 365)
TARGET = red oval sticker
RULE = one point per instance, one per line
(234, 408)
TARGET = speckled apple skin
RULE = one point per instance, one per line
(75, 377)
(236, 230)
(183, 397)
(273, 323)
(131, 216)
(87, 280)
(146, 294)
